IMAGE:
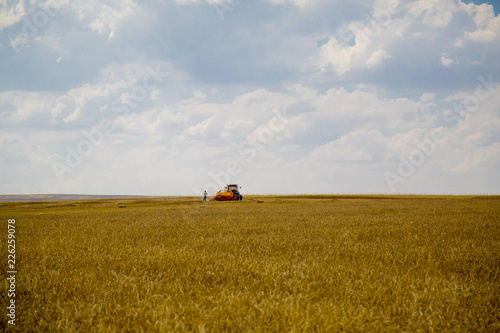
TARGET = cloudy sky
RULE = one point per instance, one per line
(172, 97)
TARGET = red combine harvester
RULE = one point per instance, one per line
(230, 193)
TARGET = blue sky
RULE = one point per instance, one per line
(280, 96)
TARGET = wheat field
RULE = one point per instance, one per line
(265, 264)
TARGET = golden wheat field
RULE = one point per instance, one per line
(265, 264)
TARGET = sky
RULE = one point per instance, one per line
(174, 97)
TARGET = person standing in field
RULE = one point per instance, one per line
(205, 195)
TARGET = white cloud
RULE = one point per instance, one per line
(367, 50)
(376, 58)
(446, 62)
(11, 12)
(356, 146)
(111, 18)
(426, 97)
(486, 23)
(298, 3)
(385, 37)
(437, 13)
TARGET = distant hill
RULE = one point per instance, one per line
(56, 197)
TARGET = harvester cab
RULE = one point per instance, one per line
(230, 193)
